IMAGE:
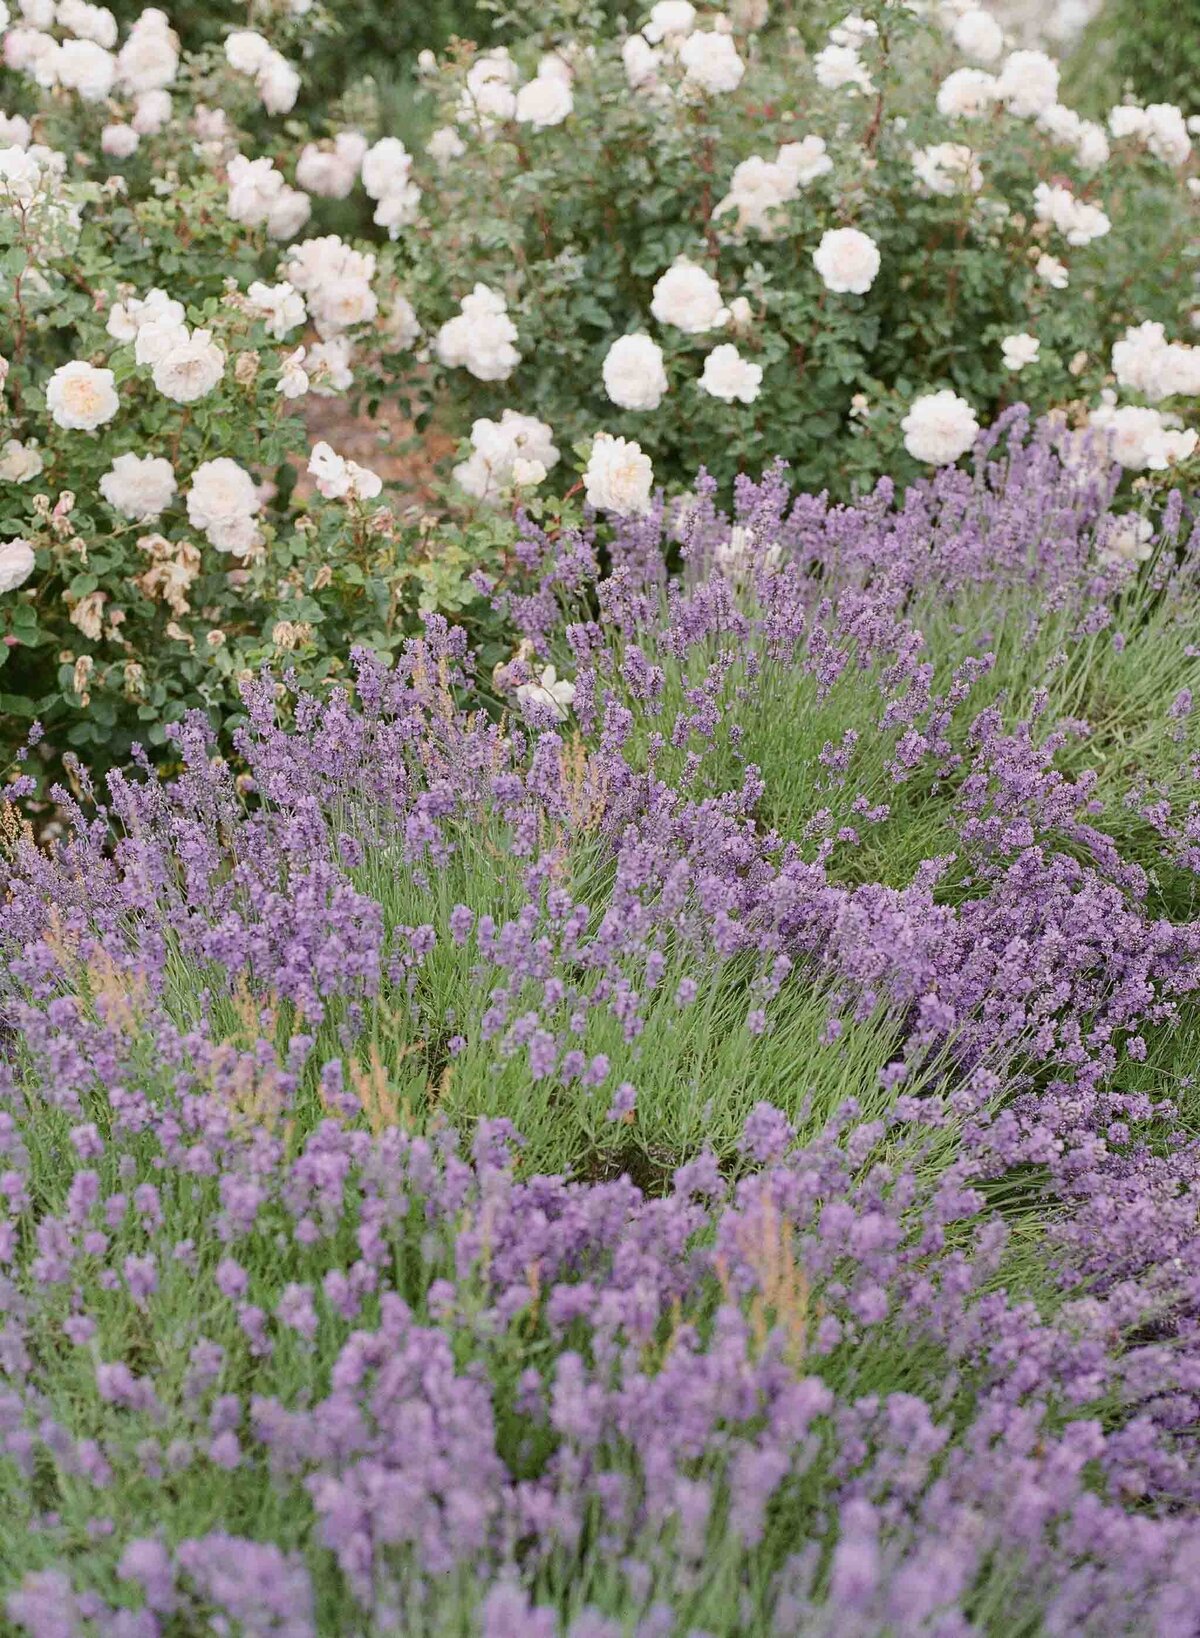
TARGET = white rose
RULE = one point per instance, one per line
(127, 318)
(670, 19)
(633, 372)
(528, 474)
(966, 94)
(1020, 350)
(977, 34)
(445, 145)
(328, 366)
(246, 51)
(289, 211)
(1052, 272)
(254, 184)
(17, 563)
(385, 167)
(550, 692)
(293, 377)
(689, 298)
(336, 281)
(280, 307)
(223, 502)
(1028, 83)
(804, 161)
(1077, 221)
(81, 397)
(19, 462)
(338, 478)
(1127, 539)
(727, 375)
(947, 168)
(497, 447)
(328, 171)
(488, 97)
(480, 339)
(156, 336)
(847, 260)
(1139, 438)
(139, 486)
(757, 189)
(149, 59)
(87, 22)
(712, 62)
(619, 477)
(20, 175)
(85, 67)
(190, 368)
(398, 209)
(15, 131)
(119, 141)
(839, 66)
(641, 62)
(278, 84)
(545, 101)
(939, 428)
(402, 328)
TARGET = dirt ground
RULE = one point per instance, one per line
(377, 443)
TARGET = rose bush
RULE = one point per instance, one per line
(869, 212)
(613, 258)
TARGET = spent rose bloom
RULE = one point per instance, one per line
(939, 428)
(847, 260)
(17, 563)
(139, 486)
(727, 375)
(619, 477)
(80, 397)
(634, 375)
(688, 297)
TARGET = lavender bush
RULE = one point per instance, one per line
(689, 1133)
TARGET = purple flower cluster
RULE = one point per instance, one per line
(845, 1275)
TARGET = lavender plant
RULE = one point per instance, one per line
(689, 1132)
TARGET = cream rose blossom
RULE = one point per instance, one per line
(81, 397)
(618, 477)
